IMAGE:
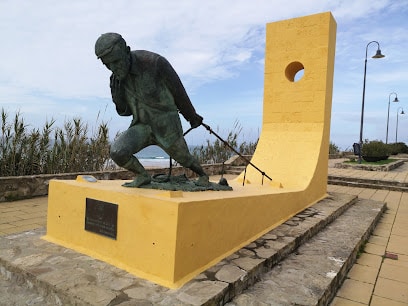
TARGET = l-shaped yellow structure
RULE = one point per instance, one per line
(169, 237)
(299, 68)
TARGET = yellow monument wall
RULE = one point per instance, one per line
(171, 237)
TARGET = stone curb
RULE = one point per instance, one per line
(313, 274)
(386, 167)
(367, 183)
(67, 277)
(13, 188)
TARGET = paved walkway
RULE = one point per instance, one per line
(23, 215)
(377, 278)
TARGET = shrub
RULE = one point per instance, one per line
(398, 147)
(376, 149)
(333, 149)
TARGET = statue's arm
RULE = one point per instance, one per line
(117, 93)
(179, 93)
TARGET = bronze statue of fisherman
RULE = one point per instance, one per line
(145, 86)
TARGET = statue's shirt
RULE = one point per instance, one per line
(153, 94)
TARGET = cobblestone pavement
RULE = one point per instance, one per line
(379, 277)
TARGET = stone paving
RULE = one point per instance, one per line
(68, 278)
(23, 215)
(370, 282)
(312, 274)
(374, 280)
(396, 179)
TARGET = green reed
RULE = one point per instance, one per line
(73, 148)
(217, 152)
(52, 149)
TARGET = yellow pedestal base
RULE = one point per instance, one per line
(163, 236)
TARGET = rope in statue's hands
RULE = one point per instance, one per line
(208, 128)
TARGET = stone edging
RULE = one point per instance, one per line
(13, 188)
(387, 167)
(367, 183)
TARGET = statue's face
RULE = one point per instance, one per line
(117, 61)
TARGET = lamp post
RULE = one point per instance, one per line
(396, 128)
(377, 55)
(388, 116)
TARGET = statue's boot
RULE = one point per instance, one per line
(141, 178)
(203, 180)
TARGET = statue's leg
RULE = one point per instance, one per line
(125, 146)
(141, 175)
(179, 151)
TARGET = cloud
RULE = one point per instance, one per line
(52, 47)
(48, 62)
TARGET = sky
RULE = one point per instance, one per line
(49, 69)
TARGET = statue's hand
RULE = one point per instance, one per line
(115, 87)
(196, 121)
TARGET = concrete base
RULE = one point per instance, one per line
(66, 277)
(168, 237)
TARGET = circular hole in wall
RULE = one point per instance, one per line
(294, 71)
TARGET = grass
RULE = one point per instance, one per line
(361, 249)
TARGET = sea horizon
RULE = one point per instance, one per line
(153, 156)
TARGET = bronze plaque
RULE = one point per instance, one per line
(101, 218)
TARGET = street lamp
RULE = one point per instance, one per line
(396, 129)
(377, 55)
(388, 116)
